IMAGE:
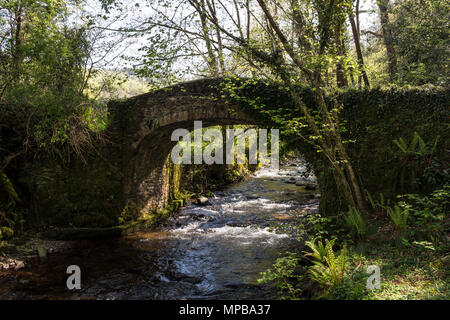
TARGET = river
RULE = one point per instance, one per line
(213, 251)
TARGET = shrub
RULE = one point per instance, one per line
(283, 273)
(428, 213)
(6, 233)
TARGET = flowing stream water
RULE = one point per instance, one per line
(213, 251)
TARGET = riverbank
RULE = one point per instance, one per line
(384, 265)
(20, 252)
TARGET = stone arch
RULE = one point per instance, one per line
(147, 126)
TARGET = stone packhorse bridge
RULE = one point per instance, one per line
(146, 123)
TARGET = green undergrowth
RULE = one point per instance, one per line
(407, 273)
(409, 245)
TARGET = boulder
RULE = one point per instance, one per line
(42, 252)
(310, 186)
(203, 201)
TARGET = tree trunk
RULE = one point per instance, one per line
(16, 50)
(341, 79)
(212, 8)
(212, 61)
(358, 50)
(387, 38)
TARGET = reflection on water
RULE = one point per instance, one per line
(206, 252)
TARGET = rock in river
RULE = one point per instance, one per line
(203, 201)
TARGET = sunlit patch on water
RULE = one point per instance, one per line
(147, 236)
(252, 205)
(228, 232)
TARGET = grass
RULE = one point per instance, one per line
(408, 273)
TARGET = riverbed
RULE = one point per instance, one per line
(211, 251)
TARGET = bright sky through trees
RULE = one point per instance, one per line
(132, 14)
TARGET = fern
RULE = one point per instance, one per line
(371, 201)
(318, 250)
(327, 268)
(356, 222)
(414, 159)
(417, 145)
(401, 144)
(398, 216)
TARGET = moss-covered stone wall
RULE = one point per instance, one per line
(373, 119)
(78, 194)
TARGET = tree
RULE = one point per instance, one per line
(383, 6)
(420, 32)
(200, 7)
(356, 39)
(42, 81)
